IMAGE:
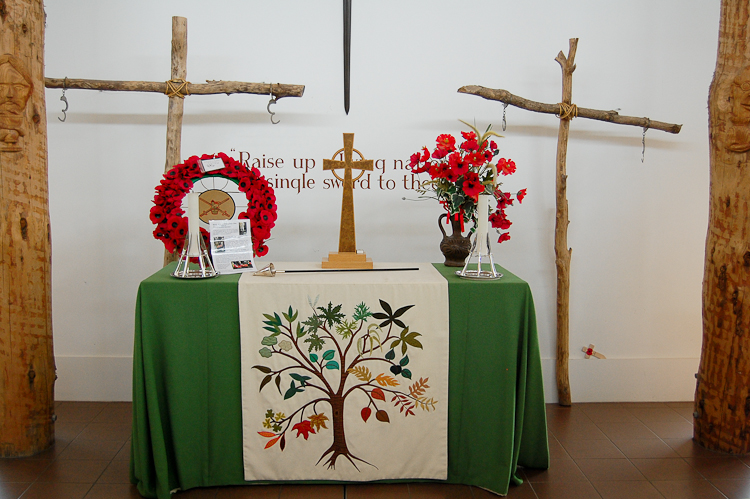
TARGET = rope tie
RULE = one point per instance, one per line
(567, 111)
(176, 87)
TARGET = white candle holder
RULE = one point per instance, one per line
(200, 269)
(479, 252)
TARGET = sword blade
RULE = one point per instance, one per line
(347, 50)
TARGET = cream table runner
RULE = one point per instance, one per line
(344, 375)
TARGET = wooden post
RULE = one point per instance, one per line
(176, 104)
(722, 395)
(562, 251)
(565, 111)
(27, 370)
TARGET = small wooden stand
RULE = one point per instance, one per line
(347, 260)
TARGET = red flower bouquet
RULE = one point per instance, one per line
(460, 173)
(172, 225)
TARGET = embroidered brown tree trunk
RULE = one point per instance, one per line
(722, 396)
(27, 371)
(338, 447)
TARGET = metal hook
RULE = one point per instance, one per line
(268, 107)
(65, 100)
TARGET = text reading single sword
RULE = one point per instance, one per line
(347, 50)
(271, 271)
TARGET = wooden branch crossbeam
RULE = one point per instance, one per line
(210, 87)
(540, 107)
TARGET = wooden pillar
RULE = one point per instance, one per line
(176, 104)
(562, 251)
(722, 395)
(27, 370)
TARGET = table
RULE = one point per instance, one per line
(187, 428)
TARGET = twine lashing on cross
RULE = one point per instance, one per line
(177, 87)
(567, 111)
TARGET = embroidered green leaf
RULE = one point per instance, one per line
(390, 355)
(300, 378)
(406, 373)
(406, 338)
(300, 331)
(313, 357)
(269, 341)
(273, 329)
(315, 341)
(265, 352)
(331, 315)
(328, 355)
(313, 323)
(292, 391)
(404, 361)
(346, 328)
(361, 312)
(290, 316)
(412, 340)
(273, 320)
(332, 365)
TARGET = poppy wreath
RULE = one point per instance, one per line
(168, 216)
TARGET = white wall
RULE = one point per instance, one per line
(637, 229)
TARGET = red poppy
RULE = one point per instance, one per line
(425, 154)
(506, 166)
(440, 153)
(424, 168)
(498, 220)
(470, 145)
(414, 160)
(446, 142)
(157, 214)
(458, 164)
(471, 186)
(503, 237)
(520, 195)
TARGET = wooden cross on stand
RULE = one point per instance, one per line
(177, 88)
(347, 256)
(565, 111)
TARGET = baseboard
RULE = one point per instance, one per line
(625, 380)
(94, 378)
(591, 380)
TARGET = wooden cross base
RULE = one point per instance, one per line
(347, 260)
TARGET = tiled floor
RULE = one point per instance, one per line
(610, 451)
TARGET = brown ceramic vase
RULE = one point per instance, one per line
(456, 247)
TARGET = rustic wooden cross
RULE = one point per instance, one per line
(565, 111)
(177, 88)
(347, 256)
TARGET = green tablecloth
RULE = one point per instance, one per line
(187, 427)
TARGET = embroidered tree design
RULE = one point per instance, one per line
(335, 357)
